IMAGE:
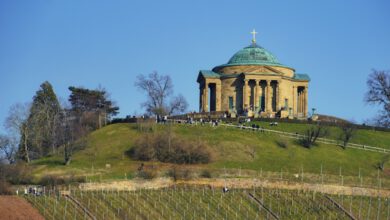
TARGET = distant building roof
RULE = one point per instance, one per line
(303, 77)
(208, 74)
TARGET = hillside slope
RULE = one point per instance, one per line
(14, 208)
(105, 156)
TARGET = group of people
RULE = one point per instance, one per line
(253, 127)
(161, 119)
(201, 121)
(215, 122)
(32, 190)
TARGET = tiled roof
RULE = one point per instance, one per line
(209, 74)
(301, 77)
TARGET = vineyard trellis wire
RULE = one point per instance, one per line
(195, 202)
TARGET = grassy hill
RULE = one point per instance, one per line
(230, 147)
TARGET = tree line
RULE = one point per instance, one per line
(46, 127)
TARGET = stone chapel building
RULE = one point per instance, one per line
(253, 83)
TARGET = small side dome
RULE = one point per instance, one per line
(253, 55)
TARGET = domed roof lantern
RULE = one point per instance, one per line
(253, 55)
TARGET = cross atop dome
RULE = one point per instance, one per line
(254, 36)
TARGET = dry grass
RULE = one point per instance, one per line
(239, 183)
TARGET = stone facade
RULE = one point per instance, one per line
(254, 84)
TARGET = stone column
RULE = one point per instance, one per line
(257, 97)
(234, 100)
(306, 100)
(218, 98)
(299, 102)
(205, 97)
(245, 95)
(302, 101)
(278, 96)
(200, 98)
(248, 94)
(268, 103)
(294, 101)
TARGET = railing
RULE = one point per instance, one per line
(320, 140)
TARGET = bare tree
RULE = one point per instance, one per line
(24, 131)
(347, 132)
(159, 89)
(178, 105)
(17, 125)
(4, 145)
(3, 142)
(8, 148)
(379, 94)
(312, 134)
(71, 133)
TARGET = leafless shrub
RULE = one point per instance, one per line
(205, 174)
(163, 147)
(312, 134)
(53, 180)
(347, 132)
(19, 173)
(179, 173)
(146, 125)
(5, 187)
(282, 142)
(147, 174)
(251, 151)
(383, 161)
(13, 174)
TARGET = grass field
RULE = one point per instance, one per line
(207, 203)
(230, 147)
(361, 136)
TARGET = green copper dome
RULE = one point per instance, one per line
(253, 55)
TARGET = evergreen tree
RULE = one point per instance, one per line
(43, 122)
(92, 108)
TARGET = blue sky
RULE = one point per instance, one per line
(91, 43)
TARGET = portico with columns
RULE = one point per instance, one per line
(253, 83)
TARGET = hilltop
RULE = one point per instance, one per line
(105, 154)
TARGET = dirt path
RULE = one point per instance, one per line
(235, 183)
(15, 208)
